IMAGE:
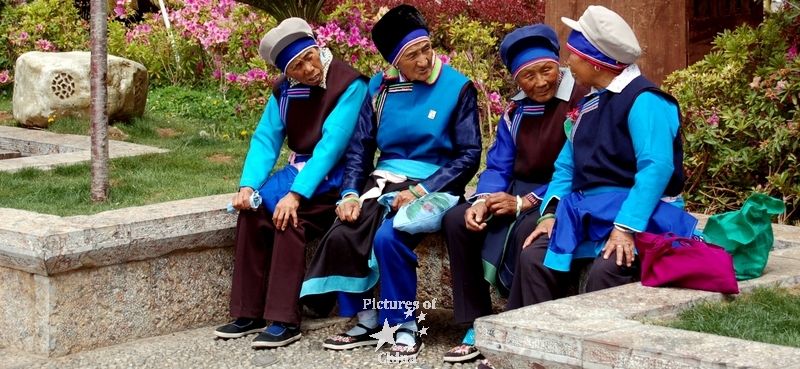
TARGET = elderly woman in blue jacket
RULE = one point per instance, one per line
(620, 172)
(424, 121)
(314, 107)
(485, 234)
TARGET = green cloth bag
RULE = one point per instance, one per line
(746, 234)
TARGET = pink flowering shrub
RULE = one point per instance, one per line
(741, 107)
(346, 32)
(42, 25)
(212, 42)
(514, 12)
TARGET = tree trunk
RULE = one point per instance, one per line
(99, 105)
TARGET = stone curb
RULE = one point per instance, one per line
(605, 329)
(55, 149)
(47, 244)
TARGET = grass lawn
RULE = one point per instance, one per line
(197, 165)
(770, 315)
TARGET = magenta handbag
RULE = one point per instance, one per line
(669, 260)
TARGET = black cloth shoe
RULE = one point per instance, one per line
(240, 328)
(400, 353)
(460, 353)
(344, 341)
(277, 335)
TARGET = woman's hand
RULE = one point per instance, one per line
(404, 197)
(475, 216)
(501, 203)
(621, 243)
(286, 211)
(545, 227)
(241, 201)
(348, 211)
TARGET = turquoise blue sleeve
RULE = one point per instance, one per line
(336, 132)
(265, 146)
(561, 185)
(653, 124)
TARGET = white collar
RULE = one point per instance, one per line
(623, 79)
(326, 57)
(566, 85)
(564, 91)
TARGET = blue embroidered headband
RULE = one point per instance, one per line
(412, 38)
(530, 56)
(293, 50)
(579, 45)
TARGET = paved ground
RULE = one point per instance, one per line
(198, 348)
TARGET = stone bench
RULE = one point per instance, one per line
(609, 328)
(81, 282)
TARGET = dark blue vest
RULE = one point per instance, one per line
(603, 148)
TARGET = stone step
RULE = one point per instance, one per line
(608, 329)
(5, 154)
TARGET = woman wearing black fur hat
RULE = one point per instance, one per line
(425, 122)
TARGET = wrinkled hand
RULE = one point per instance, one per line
(402, 198)
(286, 211)
(241, 201)
(475, 216)
(621, 243)
(545, 227)
(348, 211)
(501, 203)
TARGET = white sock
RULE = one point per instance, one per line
(367, 318)
(405, 337)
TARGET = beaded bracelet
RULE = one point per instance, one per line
(545, 217)
(413, 191)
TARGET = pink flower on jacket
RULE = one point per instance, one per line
(573, 114)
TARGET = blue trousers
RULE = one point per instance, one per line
(397, 262)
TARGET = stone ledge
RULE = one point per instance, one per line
(104, 279)
(603, 330)
(47, 244)
(48, 150)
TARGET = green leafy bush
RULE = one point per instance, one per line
(42, 25)
(740, 106)
(282, 9)
(475, 52)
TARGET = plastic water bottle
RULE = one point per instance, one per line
(255, 202)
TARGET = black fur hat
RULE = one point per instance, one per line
(393, 27)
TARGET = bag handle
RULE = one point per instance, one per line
(644, 241)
